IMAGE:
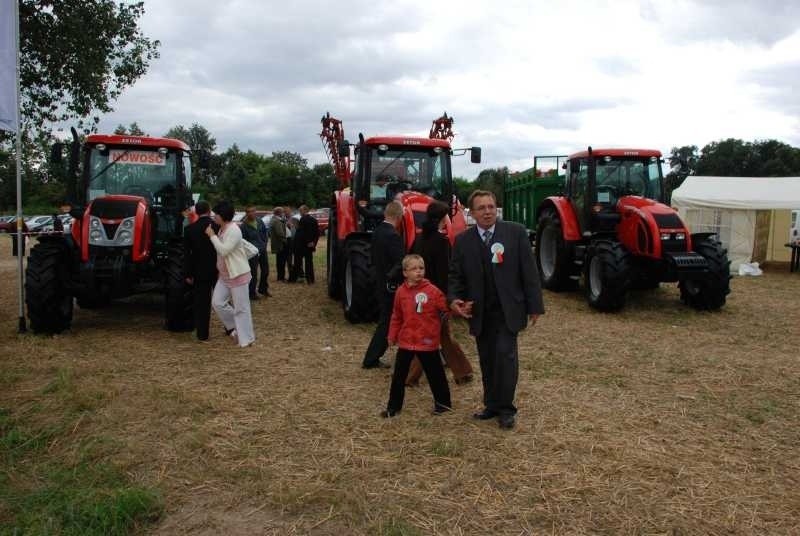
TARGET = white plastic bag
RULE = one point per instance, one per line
(750, 268)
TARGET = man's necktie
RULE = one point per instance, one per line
(487, 237)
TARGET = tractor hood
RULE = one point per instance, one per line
(650, 228)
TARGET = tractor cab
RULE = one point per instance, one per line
(386, 167)
(598, 180)
(157, 171)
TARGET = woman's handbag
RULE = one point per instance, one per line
(249, 249)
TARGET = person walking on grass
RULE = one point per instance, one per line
(494, 283)
(255, 231)
(305, 243)
(231, 297)
(200, 267)
(386, 254)
(415, 327)
(278, 238)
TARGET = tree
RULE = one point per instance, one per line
(493, 179)
(683, 162)
(78, 56)
(132, 130)
(737, 158)
(199, 140)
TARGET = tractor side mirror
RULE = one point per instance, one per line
(55, 153)
(475, 155)
(344, 149)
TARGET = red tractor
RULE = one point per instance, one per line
(411, 170)
(613, 228)
(126, 238)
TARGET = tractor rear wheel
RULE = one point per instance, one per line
(553, 255)
(178, 294)
(607, 275)
(49, 303)
(333, 255)
(358, 292)
(708, 293)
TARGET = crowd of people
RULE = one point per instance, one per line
(488, 277)
(227, 264)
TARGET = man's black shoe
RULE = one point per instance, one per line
(388, 413)
(484, 415)
(506, 422)
(376, 364)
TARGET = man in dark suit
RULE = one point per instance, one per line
(387, 254)
(493, 282)
(305, 242)
(200, 266)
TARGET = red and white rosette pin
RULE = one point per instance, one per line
(497, 253)
(420, 299)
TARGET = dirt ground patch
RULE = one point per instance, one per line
(656, 420)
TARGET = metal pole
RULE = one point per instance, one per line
(20, 222)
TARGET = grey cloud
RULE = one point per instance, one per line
(764, 22)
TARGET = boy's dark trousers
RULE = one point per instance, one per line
(434, 372)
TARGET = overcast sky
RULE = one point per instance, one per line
(520, 78)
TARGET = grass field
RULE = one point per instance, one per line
(656, 420)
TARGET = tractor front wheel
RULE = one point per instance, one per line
(553, 255)
(358, 283)
(607, 275)
(708, 293)
(49, 303)
(179, 295)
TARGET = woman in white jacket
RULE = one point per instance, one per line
(231, 298)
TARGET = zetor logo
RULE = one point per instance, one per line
(148, 158)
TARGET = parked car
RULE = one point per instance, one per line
(6, 223)
(322, 215)
(39, 224)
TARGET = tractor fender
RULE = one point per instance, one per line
(345, 211)
(569, 220)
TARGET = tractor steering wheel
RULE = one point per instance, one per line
(611, 190)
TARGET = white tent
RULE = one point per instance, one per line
(749, 214)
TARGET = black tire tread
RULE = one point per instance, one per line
(714, 289)
(49, 304)
(363, 307)
(616, 275)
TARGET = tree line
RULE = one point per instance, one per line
(61, 82)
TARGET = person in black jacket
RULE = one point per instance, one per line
(387, 254)
(305, 242)
(200, 266)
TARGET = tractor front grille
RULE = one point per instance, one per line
(688, 261)
(111, 230)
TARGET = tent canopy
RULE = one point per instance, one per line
(746, 193)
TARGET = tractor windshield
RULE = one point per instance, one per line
(617, 177)
(148, 173)
(421, 170)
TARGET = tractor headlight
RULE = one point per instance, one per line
(94, 222)
(665, 236)
(125, 238)
(680, 236)
(127, 223)
(95, 235)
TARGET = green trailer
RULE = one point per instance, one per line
(524, 192)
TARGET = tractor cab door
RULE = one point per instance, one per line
(577, 190)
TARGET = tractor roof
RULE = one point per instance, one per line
(141, 141)
(618, 153)
(409, 141)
